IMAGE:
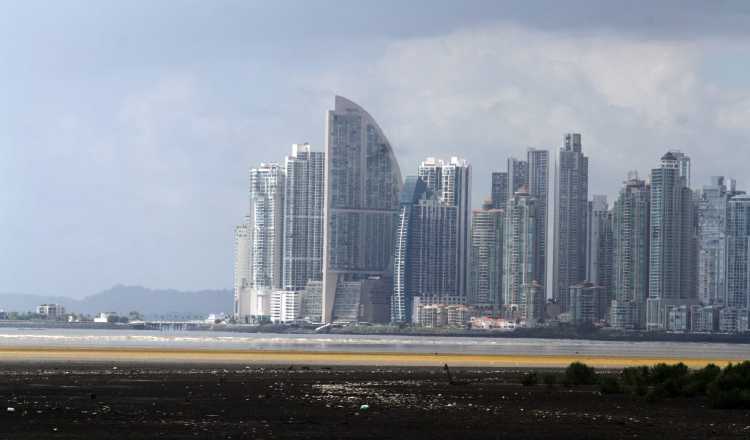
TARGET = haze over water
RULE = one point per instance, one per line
(76, 338)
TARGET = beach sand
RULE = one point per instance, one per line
(198, 357)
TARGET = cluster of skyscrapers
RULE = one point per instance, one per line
(339, 236)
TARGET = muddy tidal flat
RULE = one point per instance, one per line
(119, 401)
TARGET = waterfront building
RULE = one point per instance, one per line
(538, 166)
(486, 268)
(738, 252)
(285, 306)
(600, 245)
(535, 303)
(489, 323)
(673, 251)
(519, 257)
(426, 262)
(450, 182)
(626, 315)
(362, 185)
(743, 321)
(499, 190)
(442, 300)
(456, 192)
(303, 217)
(242, 294)
(570, 209)
(266, 225)
(712, 244)
(704, 319)
(413, 191)
(630, 237)
(375, 300)
(677, 317)
(588, 303)
(265, 228)
(443, 315)
(311, 307)
(51, 311)
(431, 316)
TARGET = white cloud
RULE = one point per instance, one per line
(489, 93)
(736, 115)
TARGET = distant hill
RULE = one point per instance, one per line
(152, 303)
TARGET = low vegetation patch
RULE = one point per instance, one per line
(609, 385)
(550, 379)
(724, 388)
(579, 373)
(529, 379)
(731, 388)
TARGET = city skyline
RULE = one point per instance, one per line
(375, 249)
(138, 139)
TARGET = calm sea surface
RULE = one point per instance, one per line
(24, 337)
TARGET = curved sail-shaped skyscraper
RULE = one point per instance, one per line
(362, 188)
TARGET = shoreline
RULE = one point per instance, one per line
(9, 355)
(534, 333)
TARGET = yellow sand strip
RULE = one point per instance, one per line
(10, 354)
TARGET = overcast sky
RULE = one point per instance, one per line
(127, 128)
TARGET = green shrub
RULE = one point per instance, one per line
(699, 380)
(579, 373)
(731, 389)
(669, 380)
(656, 393)
(550, 379)
(529, 379)
(659, 381)
(672, 377)
(636, 380)
(609, 385)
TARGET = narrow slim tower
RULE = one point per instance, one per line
(486, 268)
(242, 271)
(265, 228)
(673, 251)
(738, 253)
(630, 235)
(456, 192)
(538, 165)
(599, 245)
(303, 218)
(518, 259)
(712, 245)
(571, 203)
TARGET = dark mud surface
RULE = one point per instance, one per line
(150, 401)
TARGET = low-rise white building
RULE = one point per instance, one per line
(104, 317)
(51, 311)
(487, 323)
(443, 315)
(285, 306)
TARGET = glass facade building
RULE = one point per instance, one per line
(362, 185)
